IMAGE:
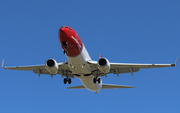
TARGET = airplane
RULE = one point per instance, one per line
(79, 65)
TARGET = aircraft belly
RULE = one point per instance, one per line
(78, 64)
(88, 83)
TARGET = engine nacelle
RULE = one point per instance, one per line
(52, 66)
(103, 65)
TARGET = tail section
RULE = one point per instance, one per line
(100, 55)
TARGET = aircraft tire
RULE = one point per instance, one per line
(65, 80)
(99, 80)
(69, 80)
(94, 80)
(64, 51)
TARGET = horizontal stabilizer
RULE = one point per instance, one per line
(104, 86)
(110, 86)
(76, 87)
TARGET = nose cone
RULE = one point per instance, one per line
(62, 29)
(63, 34)
(70, 41)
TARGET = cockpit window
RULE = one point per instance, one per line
(67, 27)
(70, 28)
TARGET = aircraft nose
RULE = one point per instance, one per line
(63, 33)
(62, 30)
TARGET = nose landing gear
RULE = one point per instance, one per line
(65, 44)
(65, 51)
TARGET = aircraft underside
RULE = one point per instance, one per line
(81, 66)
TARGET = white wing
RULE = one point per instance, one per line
(40, 69)
(118, 68)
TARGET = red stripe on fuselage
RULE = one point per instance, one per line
(70, 41)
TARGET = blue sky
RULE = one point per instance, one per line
(122, 31)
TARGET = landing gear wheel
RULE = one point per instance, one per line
(65, 51)
(94, 80)
(99, 80)
(65, 80)
(69, 80)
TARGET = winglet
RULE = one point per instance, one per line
(175, 62)
(3, 63)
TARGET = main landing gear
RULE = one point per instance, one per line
(67, 80)
(96, 79)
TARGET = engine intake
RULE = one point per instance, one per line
(104, 65)
(102, 62)
(52, 66)
(50, 63)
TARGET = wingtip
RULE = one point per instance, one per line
(3, 63)
(175, 62)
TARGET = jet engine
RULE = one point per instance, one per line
(52, 66)
(103, 65)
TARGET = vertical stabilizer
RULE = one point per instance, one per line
(100, 55)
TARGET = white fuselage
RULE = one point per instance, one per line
(79, 66)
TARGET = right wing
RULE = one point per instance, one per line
(118, 68)
(40, 69)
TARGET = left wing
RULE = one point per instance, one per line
(118, 68)
(40, 69)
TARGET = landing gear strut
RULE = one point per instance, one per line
(65, 44)
(67, 80)
(96, 79)
(65, 51)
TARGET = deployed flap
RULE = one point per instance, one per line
(111, 86)
(76, 87)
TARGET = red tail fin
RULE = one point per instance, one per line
(100, 55)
